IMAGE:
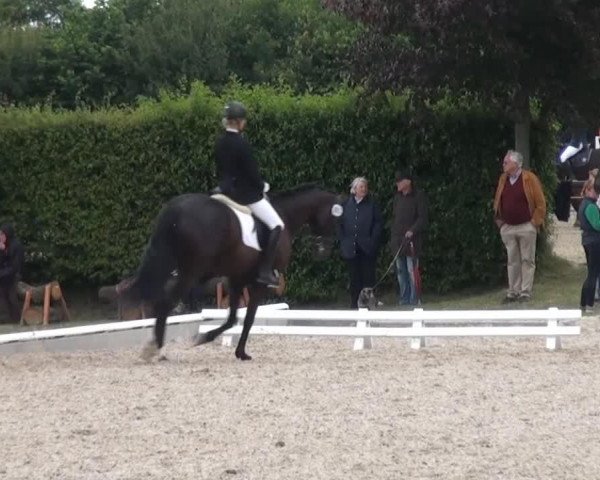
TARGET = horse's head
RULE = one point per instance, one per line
(315, 207)
(327, 212)
(323, 224)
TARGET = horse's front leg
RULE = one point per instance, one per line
(235, 292)
(255, 296)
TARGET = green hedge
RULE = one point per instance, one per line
(84, 187)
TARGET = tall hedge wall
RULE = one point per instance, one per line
(84, 187)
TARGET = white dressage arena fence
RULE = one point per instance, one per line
(115, 334)
(417, 325)
(277, 319)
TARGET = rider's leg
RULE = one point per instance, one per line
(265, 212)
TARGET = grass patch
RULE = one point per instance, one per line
(557, 284)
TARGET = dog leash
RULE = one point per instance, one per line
(405, 242)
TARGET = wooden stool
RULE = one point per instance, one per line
(47, 293)
(126, 310)
(223, 298)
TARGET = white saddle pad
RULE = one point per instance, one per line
(249, 236)
(244, 214)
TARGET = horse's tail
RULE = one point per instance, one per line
(159, 263)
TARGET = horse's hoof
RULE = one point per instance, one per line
(162, 358)
(199, 339)
(243, 356)
(149, 351)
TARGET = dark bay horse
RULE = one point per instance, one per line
(197, 238)
(571, 175)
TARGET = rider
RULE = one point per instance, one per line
(239, 179)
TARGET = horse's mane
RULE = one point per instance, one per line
(303, 188)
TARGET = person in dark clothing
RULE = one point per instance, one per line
(409, 221)
(240, 179)
(589, 221)
(359, 233)
(11, 262)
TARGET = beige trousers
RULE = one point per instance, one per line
(519, 241)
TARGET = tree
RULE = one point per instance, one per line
(318, 59)
(180, 41)
(25, 13)
(504, 53)
(26, 31)
(60, 54)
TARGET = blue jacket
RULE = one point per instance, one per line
(11, 259)
(360, 227)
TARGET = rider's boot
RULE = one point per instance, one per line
(266, 275)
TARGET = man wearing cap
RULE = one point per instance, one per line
(11, 262)
(240, 180)
(408, 225)
(519, 210)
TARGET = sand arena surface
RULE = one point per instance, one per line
(307, 408)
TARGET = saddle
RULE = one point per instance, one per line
(220, 197)
(574, 157)
(581, 158)
(255, 233)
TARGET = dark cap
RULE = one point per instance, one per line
(235, 111)
(403, 175)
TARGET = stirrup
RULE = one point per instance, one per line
(270, 280)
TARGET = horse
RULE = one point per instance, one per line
(572, 173)
(196, 238)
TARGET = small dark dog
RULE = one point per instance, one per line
(367, 299)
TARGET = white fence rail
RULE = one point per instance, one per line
(276, 319)
(114, 334)
(417, 324)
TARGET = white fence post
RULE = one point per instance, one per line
(363, 342)
(228, 338)
(417, 342)
(553, 342)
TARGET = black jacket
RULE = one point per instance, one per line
(237, 171)
(11, 259)
(360, 226)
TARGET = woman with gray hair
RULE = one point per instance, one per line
(360, 236)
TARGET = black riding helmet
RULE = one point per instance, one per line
(235, 111)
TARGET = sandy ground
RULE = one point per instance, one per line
(308, 408)
(566, 240)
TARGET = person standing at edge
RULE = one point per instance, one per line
(359, 233)
(409, 222)
(519, 211)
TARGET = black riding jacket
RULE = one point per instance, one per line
(237, 171)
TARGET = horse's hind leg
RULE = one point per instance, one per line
(162, 309)
(235, 292)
